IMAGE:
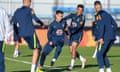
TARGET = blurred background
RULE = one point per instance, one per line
(45, 10)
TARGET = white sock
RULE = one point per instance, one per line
(108, 70)
(33, 68)
(53, 59)
(16, 51)
(72, 62)
(101, 70)
(81, 58)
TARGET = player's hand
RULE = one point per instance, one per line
(51, 43)
(101, 41)
(74, 24)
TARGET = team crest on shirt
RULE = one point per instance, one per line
(98, 17)
(81, 22)
(33, 12)
(59, 32)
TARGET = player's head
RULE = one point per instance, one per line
(27, 3)
(97, 6)
(80, 9)
(59, 15)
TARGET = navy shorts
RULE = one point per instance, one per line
(32, 41)
(75, 38)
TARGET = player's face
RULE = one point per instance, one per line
(27, 2)
(59, 17)
(98, 8)
(79, 10)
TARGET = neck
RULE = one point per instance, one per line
(57, 20)
(78, 14)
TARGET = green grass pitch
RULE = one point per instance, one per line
(23, 63)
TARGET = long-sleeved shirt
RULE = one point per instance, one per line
(78, 20)
(22, 21)
(56, 30)
(5, 27)
(104, 26)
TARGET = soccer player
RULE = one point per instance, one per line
(24, 28)
(76, 33)
(105, 29)
(56, 35)
(5, 29)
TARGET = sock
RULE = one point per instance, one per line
(81, 58)
(72, 62)
(16, 52)
(53, 59)
(33, 68)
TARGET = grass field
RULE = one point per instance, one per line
(23, 63)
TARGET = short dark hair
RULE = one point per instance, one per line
(24, 0)
(80, 5)
(97, 3)
(59, 11)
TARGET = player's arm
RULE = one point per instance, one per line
(114, 24)
(49, 34)
(68, 16)
(102, 22)
(36, 18)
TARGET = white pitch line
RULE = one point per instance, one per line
(26, 62)
(19, 61)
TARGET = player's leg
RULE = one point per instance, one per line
(57, 52)
(17, 39)
(100, 54)
(16, 51)
(73, 55)
(106, 60)
(2, 67)
(46, 50)
(34, 44)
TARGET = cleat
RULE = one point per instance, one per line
(70, 68)
(39, 69)
(84, 63)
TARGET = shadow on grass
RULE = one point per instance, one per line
(26, 55)
(22, 71)
(114, 56)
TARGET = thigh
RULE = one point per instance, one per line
(104, 47)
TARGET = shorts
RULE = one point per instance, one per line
(75, 38)
(32, 41)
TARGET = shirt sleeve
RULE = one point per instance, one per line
(49, 34)
(36, 18)
(8, 27)
(67, 17)
(102, 22)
